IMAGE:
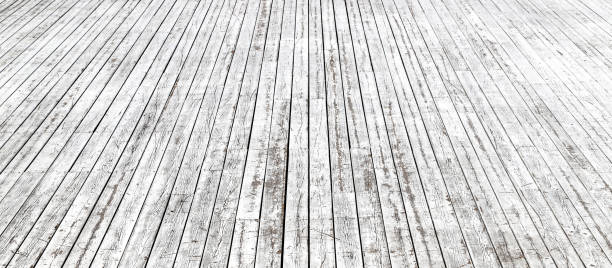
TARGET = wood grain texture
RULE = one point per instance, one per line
(325, 133)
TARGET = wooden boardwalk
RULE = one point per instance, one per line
(301, 133)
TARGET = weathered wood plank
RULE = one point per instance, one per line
(323, 133)
(347, 233)
(297, 199)
(321, 222)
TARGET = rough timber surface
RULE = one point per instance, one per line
(297, 133)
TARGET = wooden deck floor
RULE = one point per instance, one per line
(326, 133)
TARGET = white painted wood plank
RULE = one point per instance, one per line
(305, 133)
(321, 221)
(190, 253)
(21, 146)
(237, 118)
(349, 250)
(567, 158)
(296, 205)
